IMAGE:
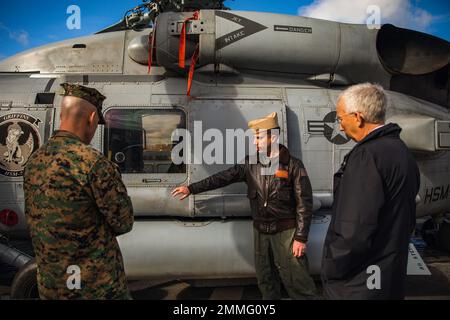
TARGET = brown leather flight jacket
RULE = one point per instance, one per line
(278, 201)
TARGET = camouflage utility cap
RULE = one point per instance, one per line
(91, 95)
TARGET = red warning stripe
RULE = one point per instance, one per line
(151, 47)
(192, 69)
(182, 49)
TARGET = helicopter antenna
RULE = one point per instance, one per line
(144, 15)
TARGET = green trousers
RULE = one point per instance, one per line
(276, 264)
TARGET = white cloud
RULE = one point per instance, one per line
(20, 36)
(401, 13)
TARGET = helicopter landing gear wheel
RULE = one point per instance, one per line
(24, 286)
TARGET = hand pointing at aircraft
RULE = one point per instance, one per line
(181, 190)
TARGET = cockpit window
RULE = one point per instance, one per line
(140, 140)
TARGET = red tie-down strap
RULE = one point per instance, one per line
(151, 46)
(192, 69)
(182, 49)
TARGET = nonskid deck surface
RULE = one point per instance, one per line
(434, 287)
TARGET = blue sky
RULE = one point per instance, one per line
(27, 24)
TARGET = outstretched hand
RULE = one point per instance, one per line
(181, 190)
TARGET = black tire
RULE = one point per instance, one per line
(429, 233)
(444, 236)
(24, 286)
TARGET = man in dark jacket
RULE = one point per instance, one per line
(281, 205)
(366, 248)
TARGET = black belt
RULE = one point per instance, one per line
(274, 226)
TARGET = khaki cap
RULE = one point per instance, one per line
(269, 122)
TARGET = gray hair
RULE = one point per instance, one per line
(367, 98)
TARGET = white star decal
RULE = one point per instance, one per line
(336, 130)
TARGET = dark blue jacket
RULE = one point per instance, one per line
(373, 217)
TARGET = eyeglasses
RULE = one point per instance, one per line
(339, 119)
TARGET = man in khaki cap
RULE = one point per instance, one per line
(281, 206)
(76, 205)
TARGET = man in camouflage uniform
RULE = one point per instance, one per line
(76, 205)
(280, 197)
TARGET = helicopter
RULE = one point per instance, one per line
(197, 65)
